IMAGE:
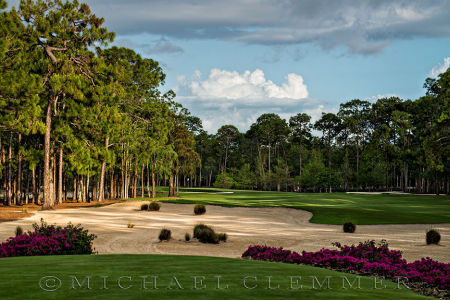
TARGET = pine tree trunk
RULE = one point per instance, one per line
(35, 188)
(153, 185)
(88, 200)
(8, 201)
(74, 194)
(148, 181)
(101, 190)
(171, 185)
(60, 178)
(111, 187)
(48, 203)
(19, 173)
(142, 182)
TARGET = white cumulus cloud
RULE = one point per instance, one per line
(229, 97)
(440, 68)
(223, 84)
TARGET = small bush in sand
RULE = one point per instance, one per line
(222, 237)
(187, 237)
(433, 237)
(19, 231)
(144, 206)
(349, 227)
(199, 209)
(130, 225)
(198, 228)
(164, 235)
(97, 205)
(208, 235)
(154, 206)
(24, 210)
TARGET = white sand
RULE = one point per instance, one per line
(285, 227)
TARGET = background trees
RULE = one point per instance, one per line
(84, 122)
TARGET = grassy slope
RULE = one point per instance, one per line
(337, 208)
(19, 278)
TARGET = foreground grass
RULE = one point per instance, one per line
(334, 208)
(20, 277)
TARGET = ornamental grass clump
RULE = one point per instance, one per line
(366, 258)
(199, 209)
(222, 237)
(187, 237)
(433, 237)
(205, 234)
(165, 235)
(144, 206)
(154, 206)
(49, 240)
(349, 227)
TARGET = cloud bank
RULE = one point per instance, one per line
(363, 27)
(230, 97)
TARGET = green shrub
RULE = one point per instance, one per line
(207, 235)
(144, 206)
(154, 206)
(433, 237)
(130, 225)
(187, 237)
(224, 181)
(222, 237)
(198, 228)
(349, 227)
(19, 230)
(165, 235)
(199, 209)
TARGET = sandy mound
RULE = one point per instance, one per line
(289, 228)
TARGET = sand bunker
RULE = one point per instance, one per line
(289, 228)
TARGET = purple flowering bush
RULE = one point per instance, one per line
(49, 240)
(367, 258)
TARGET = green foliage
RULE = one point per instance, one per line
(225, 181)
(199, 209)
(144, 206)
(187, 237)
(165, 234)
(433, 237)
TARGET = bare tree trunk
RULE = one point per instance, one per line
(19, 173)
(112, 194)
(177, 185)
(60, 179)
(48, 203)
(8, 201)
(35, 188)
(171, 185)
(74, 194)
(101, 190)
(148, 181)
(153, 184)
(142, 182)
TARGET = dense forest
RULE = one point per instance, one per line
(84, 121)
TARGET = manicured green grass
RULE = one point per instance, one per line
(20, 278)
(335, 208)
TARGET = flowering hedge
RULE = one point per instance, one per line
(49, 240)
(367, 258)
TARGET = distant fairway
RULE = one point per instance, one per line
(334, 208)
(20, 277)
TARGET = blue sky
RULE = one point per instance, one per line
(230, 61)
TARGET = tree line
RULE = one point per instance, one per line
(391, 144)
(81, 118)
(86, 121)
